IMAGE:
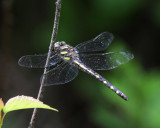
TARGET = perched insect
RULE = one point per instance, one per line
(65, 61)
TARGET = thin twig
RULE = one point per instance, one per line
(53, 38)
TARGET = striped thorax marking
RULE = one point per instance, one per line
(64, 47)
(63, 52)
(66, 58)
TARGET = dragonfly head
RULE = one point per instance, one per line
(57, 45)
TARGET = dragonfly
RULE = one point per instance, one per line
(88, 56)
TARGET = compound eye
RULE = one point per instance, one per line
(57, 44)
(63, 43)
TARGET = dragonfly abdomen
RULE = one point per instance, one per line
(100, 78)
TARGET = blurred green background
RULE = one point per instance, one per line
(26, 28)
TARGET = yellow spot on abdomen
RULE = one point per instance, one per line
(111, 87)
(82, 66)
(105, 82)
(97, 76)
(117, 92)
(90, 72)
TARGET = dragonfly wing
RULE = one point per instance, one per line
(38, 61)
(62, 74)
(106, 61)
(99, 43)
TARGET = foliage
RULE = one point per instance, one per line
(21, 102)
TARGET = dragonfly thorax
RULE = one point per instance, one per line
(65, 51)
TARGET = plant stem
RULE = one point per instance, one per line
(53, 38)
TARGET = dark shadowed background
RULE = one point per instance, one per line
(26, 28)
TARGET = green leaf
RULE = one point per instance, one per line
(1, 105)
(24, 102)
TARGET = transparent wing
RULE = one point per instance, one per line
(106, 61)
(38, 61)
(62, 74)
(99, 43)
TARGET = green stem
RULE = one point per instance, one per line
(1, 122)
